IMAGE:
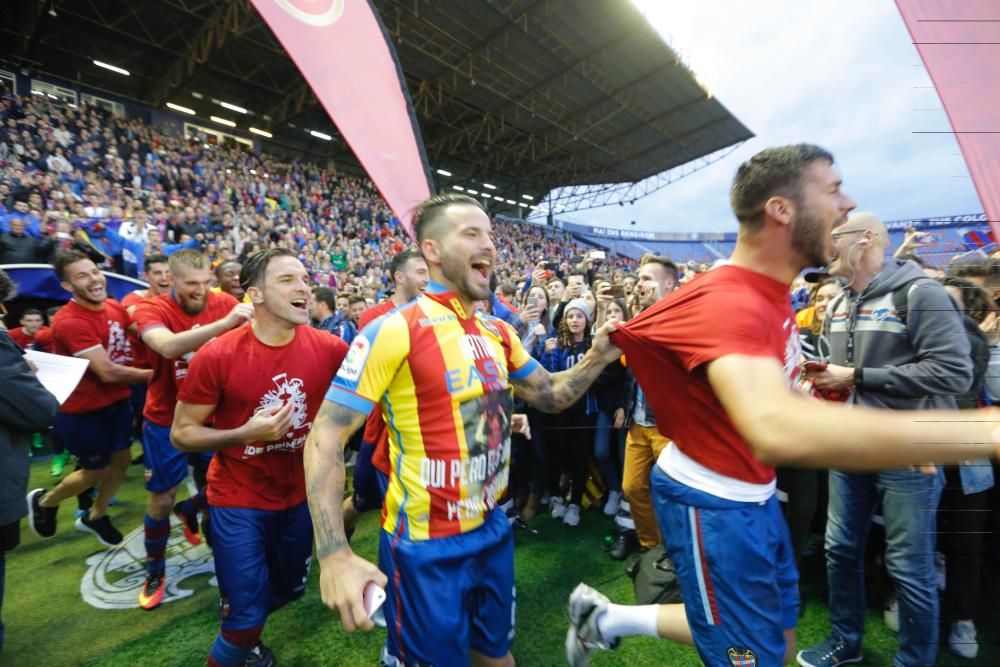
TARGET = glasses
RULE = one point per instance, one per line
(837, 235)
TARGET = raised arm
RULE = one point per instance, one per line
(172, 345)
(343, 575)
(554, 392)
(784, 428)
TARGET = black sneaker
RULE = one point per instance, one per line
(102, 529)
(85, 500)
(260, 656)
(42, 520)
(626, 544)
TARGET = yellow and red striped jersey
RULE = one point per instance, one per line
(443, 381)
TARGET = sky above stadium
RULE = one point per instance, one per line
(844, 75)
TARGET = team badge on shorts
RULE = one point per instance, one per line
(224, 608)
(741, 656)
(148, 473)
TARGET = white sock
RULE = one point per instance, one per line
(622, 620)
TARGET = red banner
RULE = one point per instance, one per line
(342, 50)
(959, 42)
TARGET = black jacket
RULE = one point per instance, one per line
(26, 407)
(21, 249)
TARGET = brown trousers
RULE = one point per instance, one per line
(642, 446)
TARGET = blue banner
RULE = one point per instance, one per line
(38, 281)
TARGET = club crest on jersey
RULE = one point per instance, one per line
(741, 656)
(350, 369)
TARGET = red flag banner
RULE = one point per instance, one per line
(959, 42)
(345, 55)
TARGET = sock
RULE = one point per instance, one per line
(194, 504)
(628, 620)
(231, 647)
(157, 532)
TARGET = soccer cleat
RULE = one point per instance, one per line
(102, 529)
(584, 638)
(59, 463)
(189, 522)
(42, 520)
(151, 594)
(260, 656)
(830, 652)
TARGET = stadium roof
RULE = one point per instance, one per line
(528, 95)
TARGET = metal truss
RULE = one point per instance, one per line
(585, 197)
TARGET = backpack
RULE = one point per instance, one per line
(654, 578)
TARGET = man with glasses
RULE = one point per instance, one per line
(894, 361)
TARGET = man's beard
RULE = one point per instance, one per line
(193, 307)
(808, 238)
(457, 274)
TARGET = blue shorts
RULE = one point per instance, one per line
(370, 483)
(448, 595)
(166, 466)
(262, 561)
(736, 569)
(92, 437)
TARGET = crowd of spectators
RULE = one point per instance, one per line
(122, 191)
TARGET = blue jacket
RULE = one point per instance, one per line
(339, 326)
(563, 359)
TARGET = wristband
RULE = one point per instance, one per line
(858, 376)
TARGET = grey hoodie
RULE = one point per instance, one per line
(921, 365)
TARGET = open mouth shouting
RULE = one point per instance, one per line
(301, 304)
(482, 265)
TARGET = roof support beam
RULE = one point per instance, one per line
(231, 18)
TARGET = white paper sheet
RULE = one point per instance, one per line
(57, 373)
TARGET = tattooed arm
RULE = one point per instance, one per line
(343, 575)
(554, 392)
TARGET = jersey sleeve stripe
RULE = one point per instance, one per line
(347, 398)
(525, 370)
(89, 349)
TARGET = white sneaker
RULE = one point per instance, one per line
(962, 640)
(572, 515)
(558, 508)
(583, 638)
(614, 503)
(891, 613)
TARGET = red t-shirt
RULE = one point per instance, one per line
(140, 353)
(728, 310)
(169, 374)
(76, 329)
(239, 374)
(376, 432)
(40, 342)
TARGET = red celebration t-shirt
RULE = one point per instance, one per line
(41, 341)
(728, 310)
(140, 352)
(76, 330)
(239, 374)
(169, 374)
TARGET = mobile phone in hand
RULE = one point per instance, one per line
(617, 291)
(374, 596)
